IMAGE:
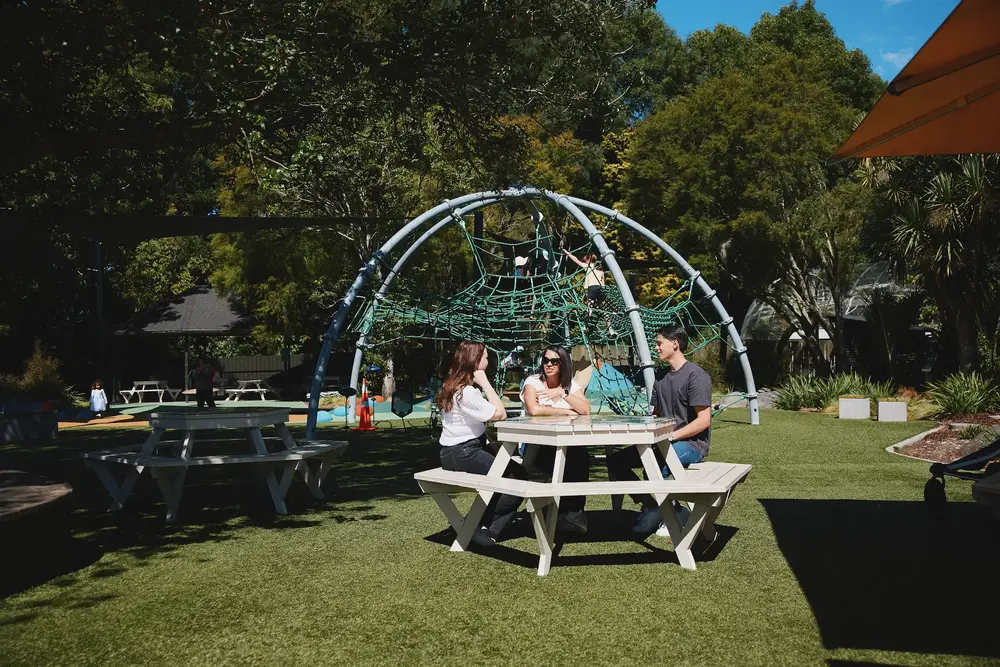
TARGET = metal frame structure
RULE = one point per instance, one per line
(453, 211)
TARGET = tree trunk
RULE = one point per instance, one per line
(838, 336)
(968, 343)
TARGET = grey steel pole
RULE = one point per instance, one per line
(340, 316)
(726, 319)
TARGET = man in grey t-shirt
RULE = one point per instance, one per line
(683, 390)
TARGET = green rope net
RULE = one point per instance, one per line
(518, 310)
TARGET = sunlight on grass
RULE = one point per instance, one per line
(368, 577)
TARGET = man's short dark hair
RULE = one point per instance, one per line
(675, 333)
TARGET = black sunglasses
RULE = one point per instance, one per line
(551, 361)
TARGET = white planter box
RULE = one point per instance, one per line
(855, 408)
(892, 411)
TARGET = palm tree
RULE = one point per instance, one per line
(945, 226)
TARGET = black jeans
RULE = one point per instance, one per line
(620, 466)
(205, 396)
(577, 470)
(472, 456)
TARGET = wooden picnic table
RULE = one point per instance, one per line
(169, 462)
(142, 387)
(252, 386)
(704, 486)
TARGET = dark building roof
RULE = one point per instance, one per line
(200, 310)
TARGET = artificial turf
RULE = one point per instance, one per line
(826, 556)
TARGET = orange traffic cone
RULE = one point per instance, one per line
(366, 410)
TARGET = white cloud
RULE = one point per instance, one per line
(890, 3)
(897, 58)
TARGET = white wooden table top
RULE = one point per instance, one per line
(160, 384)
(256, 383)
(585, 430)
(192, 419)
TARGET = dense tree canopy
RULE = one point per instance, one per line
(372, 111)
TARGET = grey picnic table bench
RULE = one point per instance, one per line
(142, 387)
(253, 386)
(168, 462)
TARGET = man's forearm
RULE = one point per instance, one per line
(694, 428)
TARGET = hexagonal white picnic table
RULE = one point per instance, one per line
(704, 486)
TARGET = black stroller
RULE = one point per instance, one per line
(981, 467)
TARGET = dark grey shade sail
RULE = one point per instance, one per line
(201, 310)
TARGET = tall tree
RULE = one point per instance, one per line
(944, 224)
(723, 171)
(806, 33)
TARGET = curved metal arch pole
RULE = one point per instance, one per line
(608, 256)
(391, 278)
(726, 320)
(333, 331)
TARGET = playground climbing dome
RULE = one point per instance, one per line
(524, 294)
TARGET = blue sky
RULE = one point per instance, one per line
(888, 31)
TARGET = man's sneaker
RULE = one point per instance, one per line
(572, 522)
(648, 521)
(483, 538)
(682, 516)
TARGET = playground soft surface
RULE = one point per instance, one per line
(826, 556)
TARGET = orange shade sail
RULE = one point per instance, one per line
(946, 98)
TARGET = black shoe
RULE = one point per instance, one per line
(572, 522)
(482, 538)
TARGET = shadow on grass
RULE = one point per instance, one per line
(217, 501)
(888, 575)
(605, 526)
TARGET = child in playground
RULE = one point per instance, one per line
(98, 399)
(683, 391)
(464, 413)
(593, 281)
(552, 391)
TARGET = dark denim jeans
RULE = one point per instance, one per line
(472, 456)
(577, 470)
(623, 461)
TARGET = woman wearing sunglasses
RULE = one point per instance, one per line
(552, 391)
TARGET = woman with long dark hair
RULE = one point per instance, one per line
(464, 413)
(552, 391)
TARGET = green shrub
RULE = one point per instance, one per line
(809, 391)
(922, 407)
(10, 386)
(970, 432)
(40, 381)
(802, 391)
(962, 393)
(877, 390)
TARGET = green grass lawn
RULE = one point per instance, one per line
(826, 556)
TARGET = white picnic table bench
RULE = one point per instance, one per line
(142, 387)
(168, 462)
(705, 486)
(252, 386)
